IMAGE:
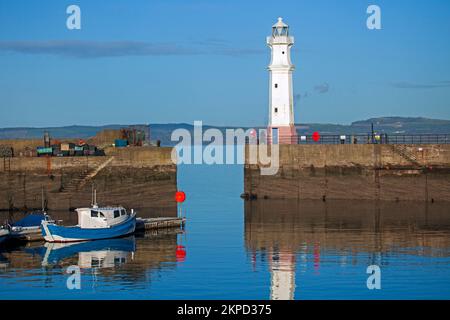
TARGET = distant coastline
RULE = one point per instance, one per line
(162, 132)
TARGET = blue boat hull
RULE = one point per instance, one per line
(55, 233)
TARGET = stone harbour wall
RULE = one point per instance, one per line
(372, 172)
(134, 177)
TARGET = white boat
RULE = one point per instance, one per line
(94, 223)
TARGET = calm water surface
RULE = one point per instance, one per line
(249, 250)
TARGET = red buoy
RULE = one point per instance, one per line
(181, 253)
(180, 196)
(316, 136)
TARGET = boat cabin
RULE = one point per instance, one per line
(95, 217)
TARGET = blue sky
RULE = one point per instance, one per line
(165, 61)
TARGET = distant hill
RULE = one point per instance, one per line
(402, 125)
(81, 132)
(389, 125)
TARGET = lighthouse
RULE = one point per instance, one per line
(281, 128)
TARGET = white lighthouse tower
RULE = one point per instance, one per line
(281, 128)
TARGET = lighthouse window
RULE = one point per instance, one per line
(276, 110)
(282, 52)
(276, 85)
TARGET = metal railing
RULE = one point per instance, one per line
(369, 139)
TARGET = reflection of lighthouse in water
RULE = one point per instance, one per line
(282, 275)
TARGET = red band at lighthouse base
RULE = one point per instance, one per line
(286, 135)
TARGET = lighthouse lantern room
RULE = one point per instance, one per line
(281, 128)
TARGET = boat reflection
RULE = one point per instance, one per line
(99, 254)
(291, 235)
(135, 260)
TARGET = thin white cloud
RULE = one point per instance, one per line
(96, 49)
